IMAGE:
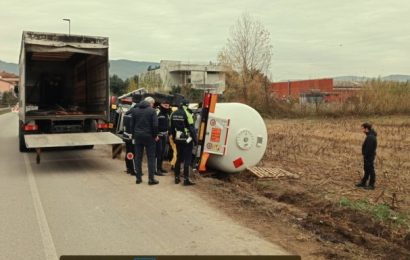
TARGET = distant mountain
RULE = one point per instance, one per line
(401, 78)
(394, 77)
(9, 67)
(350, 78)
(128, 68)
(122, 68)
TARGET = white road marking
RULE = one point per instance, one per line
(48, 244)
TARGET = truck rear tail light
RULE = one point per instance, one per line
(30, 127)
(113, 100)
(102, 126)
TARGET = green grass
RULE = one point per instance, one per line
(381, 212)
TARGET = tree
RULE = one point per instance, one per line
(117, 85)
(132, 85)
(151, 81)
(247, 56)
(8, 99)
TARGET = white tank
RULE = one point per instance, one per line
(247, 138)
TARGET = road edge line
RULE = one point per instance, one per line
(47, 239)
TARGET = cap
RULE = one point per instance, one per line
(185, 102)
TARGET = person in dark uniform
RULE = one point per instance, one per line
(369, 154)
(183, 133)
(127, 138)
(163, 126)
(145, 134)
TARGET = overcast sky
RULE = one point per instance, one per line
(310, 38)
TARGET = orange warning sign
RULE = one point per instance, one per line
(216, 135)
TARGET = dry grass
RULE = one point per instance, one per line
(328, 154)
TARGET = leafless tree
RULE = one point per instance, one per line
(248, 52)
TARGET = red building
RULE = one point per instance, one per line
(295, 88)
(341, 95)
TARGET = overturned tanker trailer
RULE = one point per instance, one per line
(232, 136)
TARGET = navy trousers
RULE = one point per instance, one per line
(147, 143)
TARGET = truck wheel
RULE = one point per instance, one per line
(22, 143)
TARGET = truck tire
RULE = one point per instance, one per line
(22, 143)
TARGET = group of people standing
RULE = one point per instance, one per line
(153, 130)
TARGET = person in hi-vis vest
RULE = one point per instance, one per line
(182, 132)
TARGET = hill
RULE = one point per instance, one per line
(393, 77)
(9, 67)
(128, 68)
(122, 68)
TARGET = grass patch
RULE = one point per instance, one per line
(381, 212)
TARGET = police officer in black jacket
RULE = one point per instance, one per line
(127, 138)
(145, 134)
(163, 126)
(369, 154)
(183, 133)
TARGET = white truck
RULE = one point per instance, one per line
(63, 91)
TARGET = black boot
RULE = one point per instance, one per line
(153, 182)
(139, 180)
(360, 185)
(188, 182)
(158, 173)
(163, 171)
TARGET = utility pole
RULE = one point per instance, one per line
(69, 25)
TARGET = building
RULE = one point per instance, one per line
(177, 73)
(7, 81)
(345, 90)
(316, 90)
(296, 88)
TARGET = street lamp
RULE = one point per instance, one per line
(69, 25)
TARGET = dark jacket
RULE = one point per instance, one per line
(370, 145)
(144, 121)
(163, 119)
(127, 124)
(183, 121)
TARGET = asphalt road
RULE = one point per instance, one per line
(79, 202)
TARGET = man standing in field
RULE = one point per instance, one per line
(369, 154)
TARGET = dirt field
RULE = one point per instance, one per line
(322, 215)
